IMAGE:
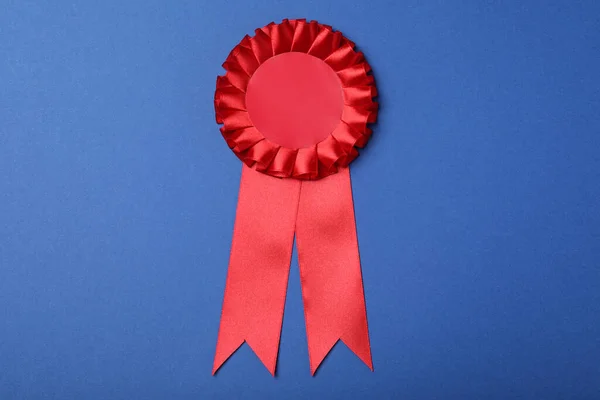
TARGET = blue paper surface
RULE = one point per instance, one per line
(476, 202)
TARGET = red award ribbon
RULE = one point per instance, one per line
(295, 103)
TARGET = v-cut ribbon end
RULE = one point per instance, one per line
(359, 349)
(265, 353)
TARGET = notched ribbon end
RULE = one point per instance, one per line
(264, 354)
(364, 354)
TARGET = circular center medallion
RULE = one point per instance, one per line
(295, 100)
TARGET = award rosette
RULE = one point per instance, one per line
(295, 103)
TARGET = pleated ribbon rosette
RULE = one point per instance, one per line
(295, 104)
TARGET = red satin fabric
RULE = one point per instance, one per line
(295, 102)
(259, 265)
(301, 159)
(321, 214)
(332, 287)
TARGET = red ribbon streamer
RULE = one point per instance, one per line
(321, 214)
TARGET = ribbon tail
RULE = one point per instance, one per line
(259, 267)
(332, 287)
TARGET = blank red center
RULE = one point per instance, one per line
(295, 100)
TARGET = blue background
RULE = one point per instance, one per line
(477, 202)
